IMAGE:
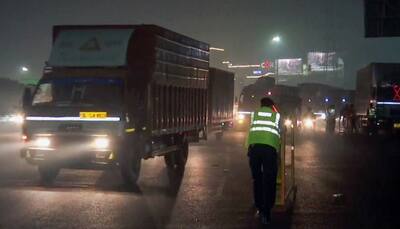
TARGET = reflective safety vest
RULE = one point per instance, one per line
(264, 128)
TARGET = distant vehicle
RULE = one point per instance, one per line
(286, 99)
(330, 118)
(308, 120)
(111, 96)
(377, 97)
(220, 100)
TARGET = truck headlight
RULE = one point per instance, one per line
(288, 123)
(42, 142)
(308, 123)
(102, 143)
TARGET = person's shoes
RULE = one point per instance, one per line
(265, 219)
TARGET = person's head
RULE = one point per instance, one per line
(267, 102)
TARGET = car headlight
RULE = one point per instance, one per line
(102, 143)
(308, 123)
(288, 122)
(42, 142)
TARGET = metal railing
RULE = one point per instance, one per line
(286, 182)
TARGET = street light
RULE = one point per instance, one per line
(217, 49)
(24, 69)
(276, 39)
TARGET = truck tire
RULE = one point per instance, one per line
(203, 134)
(183, 154)
(177, 160)
(130, 167)
(48, 173)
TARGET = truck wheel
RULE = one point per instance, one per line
(177, 159)
(203, 134)
(170, 160)
(48, 173)
(183, 154)
(130, 167)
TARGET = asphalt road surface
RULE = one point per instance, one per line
(343, 182)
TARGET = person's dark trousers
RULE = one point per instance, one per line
(264, 166)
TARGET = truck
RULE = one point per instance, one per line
(377, 98)
(112, 95)
(286, 98)
(221, 101)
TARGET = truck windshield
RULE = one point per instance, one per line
(79, 92)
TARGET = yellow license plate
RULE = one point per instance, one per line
(92, 115)
(396, 125)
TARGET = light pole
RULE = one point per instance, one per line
(276, 40)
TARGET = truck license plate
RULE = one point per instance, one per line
(92, 115)
(396, 125)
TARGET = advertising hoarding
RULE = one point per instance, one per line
(322, 61)
(290, 66)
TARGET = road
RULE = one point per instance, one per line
(215, 191)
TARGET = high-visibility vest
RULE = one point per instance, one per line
(264, 128)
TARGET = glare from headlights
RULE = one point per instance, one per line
(17, 118)
(288, 123)
(42, 142)
(101, 143)
(308, 123)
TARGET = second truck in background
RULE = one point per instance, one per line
(220, 101)
(377, 98)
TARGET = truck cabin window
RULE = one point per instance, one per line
(90, 92)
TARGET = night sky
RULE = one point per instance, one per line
(243, 28)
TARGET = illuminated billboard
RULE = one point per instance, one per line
(290, 66)
(322, 61)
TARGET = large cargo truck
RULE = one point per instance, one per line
(377, 97)
(111, 96)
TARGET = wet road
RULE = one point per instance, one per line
(215, 191)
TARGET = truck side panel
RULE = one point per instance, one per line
(220, 97)
(174, 85)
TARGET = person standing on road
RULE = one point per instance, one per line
(330, 119)
(263, 146)
(353, 119)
